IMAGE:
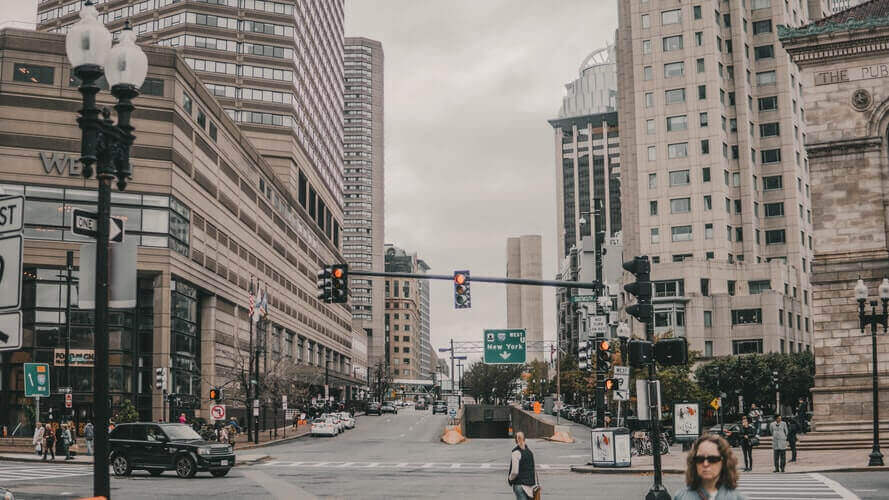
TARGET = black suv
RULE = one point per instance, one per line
(158, 447)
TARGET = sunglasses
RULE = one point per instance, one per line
(713, 459)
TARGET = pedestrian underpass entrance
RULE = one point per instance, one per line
(486, 421)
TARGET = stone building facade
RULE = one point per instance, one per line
(842, 60)
(524, 304)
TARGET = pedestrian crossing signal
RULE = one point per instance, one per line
(612, 384)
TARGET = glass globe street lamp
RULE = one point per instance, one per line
(106, 145)
(873, 319)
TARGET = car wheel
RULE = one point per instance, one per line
(121, 465)
(219, 473)
(185, 467)
(155, 472)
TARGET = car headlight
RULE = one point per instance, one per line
(203, 451)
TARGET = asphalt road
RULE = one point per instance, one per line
(400, 456)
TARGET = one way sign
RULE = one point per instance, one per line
(87, 224)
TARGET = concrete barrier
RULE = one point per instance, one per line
(527, 422)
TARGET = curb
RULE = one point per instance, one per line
(588, 469)
(40, 460)
(252, 446)
(254, 461)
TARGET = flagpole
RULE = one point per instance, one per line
(250, 365)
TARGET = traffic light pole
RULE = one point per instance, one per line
(657, 491)
(600, 385)
(592, 285)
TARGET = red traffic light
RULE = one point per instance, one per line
(337, 272)
(604, 345)
(459, 278)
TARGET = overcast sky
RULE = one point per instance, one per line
(470, 85)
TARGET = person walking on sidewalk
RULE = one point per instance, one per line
(68, 439)
(792, 434)
(779, 442)
(49, 442)
(748, 434)
(711, 471)
(522, 476)
(37, 440)
(755, 418)
(89, 434)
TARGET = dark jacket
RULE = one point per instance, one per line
(746, 434)
(526, 468)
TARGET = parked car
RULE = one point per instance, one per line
(421, 405)
(336, 420)
(157, 447)
(324, 427)
(347, 419)
(731, 432)
(388, 407)
(439, 407)
(373, 408)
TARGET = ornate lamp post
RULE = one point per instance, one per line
(88, 46)
(874, 319)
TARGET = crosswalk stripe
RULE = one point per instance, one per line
(791, 487)
(37, 472)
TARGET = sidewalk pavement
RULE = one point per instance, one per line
(807, 461)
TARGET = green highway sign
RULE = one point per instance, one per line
(36, 380)
(503, 347)
(583, 298)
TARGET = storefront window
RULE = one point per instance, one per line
(185, 340)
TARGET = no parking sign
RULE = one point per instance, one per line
(217, 412)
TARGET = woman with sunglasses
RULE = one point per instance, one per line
(711, 472)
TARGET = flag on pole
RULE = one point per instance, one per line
(257, 301)
(250, 300)
(265, 304)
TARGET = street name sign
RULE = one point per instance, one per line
(622, 393)
(12, 210)
(503, 347)
(87, 224)
(11, 271)
(583, 298)
(11, 331)
(36, 380)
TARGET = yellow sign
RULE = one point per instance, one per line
(715, 403)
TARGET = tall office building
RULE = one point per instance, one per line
(524, 304)
(586, 148)
(427, 363)
(364, 179)
(277, 70)
(403, 316)
(715, 181)
(835, 6)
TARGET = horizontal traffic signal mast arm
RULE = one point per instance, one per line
(591, 285)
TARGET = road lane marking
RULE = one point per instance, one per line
(835, 486)
(455, 466)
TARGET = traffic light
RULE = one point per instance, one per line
(642, 310)
(603, 356)
(612, 384)
(160, 378)
(324, 283)
(775, 379)
(339, 283)
(583, 355)
(640, 351)
(671, 352)
(216, 394)
(462, 297)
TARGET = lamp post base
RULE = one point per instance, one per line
(658, 493)
(875, 459)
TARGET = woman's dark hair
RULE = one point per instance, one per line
(728, 476)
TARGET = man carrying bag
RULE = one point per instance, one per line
(522, 476)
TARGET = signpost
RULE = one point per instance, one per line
(599, 324)
(622, 393)
(217, 412)
(36, 380)
(87, 224)
(503, 347)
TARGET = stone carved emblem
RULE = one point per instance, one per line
(861, 99)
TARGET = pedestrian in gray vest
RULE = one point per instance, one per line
(779, 442)
(89, 434)
(522, 476)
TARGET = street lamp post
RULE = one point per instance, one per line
(88, 47)
(876, 457)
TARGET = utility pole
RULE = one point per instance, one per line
(452, 365)
(558, 380)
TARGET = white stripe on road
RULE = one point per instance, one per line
(835, 486)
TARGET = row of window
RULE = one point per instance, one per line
(204, 42)
(684, 233)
